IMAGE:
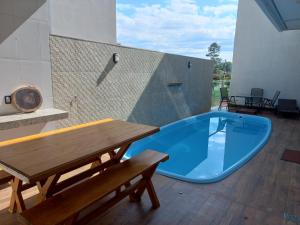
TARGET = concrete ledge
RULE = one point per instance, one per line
(25, 119)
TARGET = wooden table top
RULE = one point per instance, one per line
(37, 159)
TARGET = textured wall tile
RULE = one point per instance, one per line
(88, 84)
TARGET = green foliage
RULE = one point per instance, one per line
(214, 53)
(221, 67)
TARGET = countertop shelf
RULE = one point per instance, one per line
(25, 119)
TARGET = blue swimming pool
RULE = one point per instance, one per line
(208, 147)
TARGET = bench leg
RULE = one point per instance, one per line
(136, 196)
(152, 194)
(16, 202)
(148, 185)
(132, 195)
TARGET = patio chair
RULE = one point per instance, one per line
(225, 98)
(270, 103)
(288, 106)
(256, 99)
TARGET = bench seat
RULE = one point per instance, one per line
(5, 177)
(64, 207)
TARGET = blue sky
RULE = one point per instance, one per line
(185, 27)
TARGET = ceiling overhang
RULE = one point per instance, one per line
(284, 14)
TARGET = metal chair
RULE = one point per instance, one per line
(270, 103)
(225, 98)
(256, 99)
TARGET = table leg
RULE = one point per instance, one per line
(114, 157)
(17, 202)
(119, 155)
(97, 163)
(112, 154)
(46, 189)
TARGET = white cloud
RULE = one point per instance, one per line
(220, 10)
(179, 26)
(233, 1)
(121, 6)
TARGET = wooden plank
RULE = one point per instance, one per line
(86, 219)
(68, 203)
(40, 158)
(52, 132)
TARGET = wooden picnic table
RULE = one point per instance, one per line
(42, 159)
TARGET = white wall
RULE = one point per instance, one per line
(92, 20)
(24, 49)
(24, 44)
(24, 54)
(264, 57)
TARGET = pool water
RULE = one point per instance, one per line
(208, 147)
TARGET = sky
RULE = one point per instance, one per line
(184, 27)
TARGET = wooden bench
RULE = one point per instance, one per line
(124, 179)
(5, 177)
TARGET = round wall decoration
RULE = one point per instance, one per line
(27, 99)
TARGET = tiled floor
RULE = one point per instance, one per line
(258, 193)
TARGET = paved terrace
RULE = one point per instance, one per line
(259, 193)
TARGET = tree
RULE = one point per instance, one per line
(214, 53)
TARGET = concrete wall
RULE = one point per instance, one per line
(264, 57)
(24, 54)
(93, 20)
(24, 44)
(88, 84)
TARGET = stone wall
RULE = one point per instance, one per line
(88, 84)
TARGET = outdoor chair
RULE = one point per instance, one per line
(256, 99)
(288, 106)
(225, 98)
(270, 103)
